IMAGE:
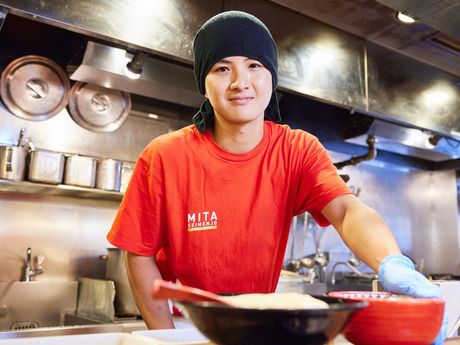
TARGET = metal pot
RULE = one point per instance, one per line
(80, 171)
(46, 166)
(12, 162)
(34, 88)
(97, 108)
(127, 169)
(116, 271)
(108, 174)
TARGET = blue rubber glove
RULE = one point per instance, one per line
(397, 274)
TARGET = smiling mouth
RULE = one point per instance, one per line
(240, 100)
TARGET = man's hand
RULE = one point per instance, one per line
(397, 274)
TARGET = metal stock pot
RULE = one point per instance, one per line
(12, 162)
(116, 271)
(13, 159)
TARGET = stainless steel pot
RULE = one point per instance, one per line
(46, 166)
(116, 271)
(127, 169)
(80, 171)
(12, 162)
(108, 174)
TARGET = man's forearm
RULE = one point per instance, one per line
(142, 271)
(362, 229)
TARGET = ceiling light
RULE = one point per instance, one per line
(133, 69)
(404, 18)
(432, 141)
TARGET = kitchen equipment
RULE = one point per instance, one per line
(46, 166)
(164, 290)
(293, 282)
(450, 292)
(127, 169)
(108, 175)
(34, 88)
(116, 271)
(98, 109)
(80, 171)
(95, 299)
(13, 160)
(230, 325)
(392, 319)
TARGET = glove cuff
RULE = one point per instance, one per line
(397, 259)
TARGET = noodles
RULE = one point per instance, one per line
(289, 300)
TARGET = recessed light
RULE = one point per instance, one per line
(404, 18)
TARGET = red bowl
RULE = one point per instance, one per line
(392, 319)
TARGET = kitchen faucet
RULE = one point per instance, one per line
(352, 264)
(29, 271)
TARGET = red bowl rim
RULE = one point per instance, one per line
(388, 297)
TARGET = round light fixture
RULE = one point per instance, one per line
(404, 18)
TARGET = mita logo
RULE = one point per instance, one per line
(202, 221)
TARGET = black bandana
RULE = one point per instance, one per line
(233, 33)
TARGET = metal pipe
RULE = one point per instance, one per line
(370, 155)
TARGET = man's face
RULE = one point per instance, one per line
(239, 89)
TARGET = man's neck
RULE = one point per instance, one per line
(236, 138)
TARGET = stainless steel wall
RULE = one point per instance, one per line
(419, 206)
(70, 232)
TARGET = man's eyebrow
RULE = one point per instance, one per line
(224, 61)
(230, 62)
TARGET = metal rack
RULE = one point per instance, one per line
(58, 190)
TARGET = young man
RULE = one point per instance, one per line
(217, 198)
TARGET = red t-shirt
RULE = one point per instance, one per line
(223, 219)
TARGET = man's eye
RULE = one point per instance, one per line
(221, 69)
(255, 65)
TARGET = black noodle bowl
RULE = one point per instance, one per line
(242, 326)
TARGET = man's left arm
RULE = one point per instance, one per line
(368, 237)
(362, 229)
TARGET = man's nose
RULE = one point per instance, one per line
(240, 79)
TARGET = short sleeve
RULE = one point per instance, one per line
(139, 224)
(319, 182)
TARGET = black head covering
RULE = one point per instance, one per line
(233, 33)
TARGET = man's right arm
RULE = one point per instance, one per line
(142, 271)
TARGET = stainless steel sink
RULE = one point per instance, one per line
(30, 305)
(57, 331)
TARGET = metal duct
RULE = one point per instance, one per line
(105, 66)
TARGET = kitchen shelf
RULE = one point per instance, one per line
(58, 190)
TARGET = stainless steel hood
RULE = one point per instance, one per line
(105, 66)
(316, 60)
(407, 141)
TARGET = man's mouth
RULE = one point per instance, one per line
(240, 100)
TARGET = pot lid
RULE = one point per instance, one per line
(34, 88)
(97, 108)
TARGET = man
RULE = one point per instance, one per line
(218, 197)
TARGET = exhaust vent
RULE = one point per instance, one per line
(403, 140)
(22, 325)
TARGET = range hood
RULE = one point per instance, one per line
(105, 66)
(405, 141)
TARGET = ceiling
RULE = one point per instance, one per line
(375, 22)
